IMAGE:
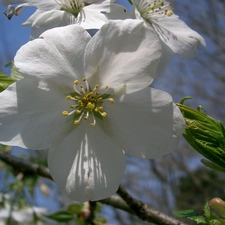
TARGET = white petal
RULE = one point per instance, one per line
(57, 54)
(45, 5)
(32, 18)
(94, 1)
(94, 16)
(123, 52)
(145, 123)
(31, 113)
(177, 35)
(90, 18)
(43, 21)
(85, 163)
(112, 10)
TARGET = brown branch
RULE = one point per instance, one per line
(25, 167)
(127, 203)
(117, 202)
(146, 212)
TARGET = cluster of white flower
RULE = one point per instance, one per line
(10, 213)
(87, 98)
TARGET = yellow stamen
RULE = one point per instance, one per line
(76, 122)
(169, 13)
(65, 113)
(111, 100)
(103, 114)
(76, 82)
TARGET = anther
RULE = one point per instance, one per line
(76, 82)
(86, 83)
(103, 114)
(65, 113)
(76, 122)
(94, 121)
(111, 100)
(68, 97)
(87, 115)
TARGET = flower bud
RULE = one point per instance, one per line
(205, 134)
(217, 208)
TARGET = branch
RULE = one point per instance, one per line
(25, 167)
(127, 203)
(146, 212)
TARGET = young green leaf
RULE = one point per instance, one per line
(5, 81)
(61, 216)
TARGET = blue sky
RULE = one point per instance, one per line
(13, 35)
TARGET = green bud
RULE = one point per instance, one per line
(205, 134)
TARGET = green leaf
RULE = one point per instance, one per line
(5, 81)
(185, 213)
(205, 134)
(61, 216)
(199, 220)
(212, 165)
(100, 220)
(75, 208)
(81, 222)
(207, 210)
(192, 215)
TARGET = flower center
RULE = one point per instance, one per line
(71, 6)
(87, 102)
(154, 9)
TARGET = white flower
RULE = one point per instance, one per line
(172, 31)
(90, 14)
(89, 100)
(26, 215)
